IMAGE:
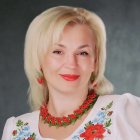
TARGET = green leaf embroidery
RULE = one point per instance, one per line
(108, 123)
(22, 130)
(19, 123)
(109, 105)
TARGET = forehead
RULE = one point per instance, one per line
(77, 28)
(79, 33)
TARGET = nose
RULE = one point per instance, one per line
(71, 61)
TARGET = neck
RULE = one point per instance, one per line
(64, 103)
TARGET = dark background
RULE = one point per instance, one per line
(122, 20)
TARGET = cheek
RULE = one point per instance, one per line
(50, 65)
(87, 65)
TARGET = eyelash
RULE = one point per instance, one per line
(83, 53)
(57, 52)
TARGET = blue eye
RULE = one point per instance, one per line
(57, 52)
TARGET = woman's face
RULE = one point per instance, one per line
(69, 63)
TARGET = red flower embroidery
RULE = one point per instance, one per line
(14, 132)
(30, 138)
(21, 133)
(109, 113)
(93, 131)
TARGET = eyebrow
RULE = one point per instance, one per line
(80, 47)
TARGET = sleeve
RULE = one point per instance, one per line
(128, 117)
(7, 132)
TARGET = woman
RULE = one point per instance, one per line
(65, 55)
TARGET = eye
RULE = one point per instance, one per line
(58, 52)
(84, 53)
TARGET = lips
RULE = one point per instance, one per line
(70, 77)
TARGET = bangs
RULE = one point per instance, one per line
(52, 34)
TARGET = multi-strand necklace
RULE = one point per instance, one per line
(71, 118)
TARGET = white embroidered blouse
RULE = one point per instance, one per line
(113, 117)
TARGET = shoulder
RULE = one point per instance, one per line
(28, 116)
(20, 123)
(127, 101)
(126, 98)
(126, 114)
(129, 97)
(126, 106)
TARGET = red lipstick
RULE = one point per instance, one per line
(70, 77)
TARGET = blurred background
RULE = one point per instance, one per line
(122, 20)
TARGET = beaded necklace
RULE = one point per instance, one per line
(71, 118)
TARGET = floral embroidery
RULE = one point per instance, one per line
(22, 132)
(97, 128)
(93, 131)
